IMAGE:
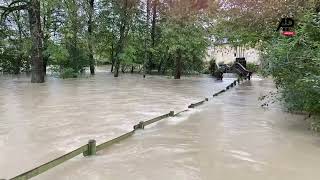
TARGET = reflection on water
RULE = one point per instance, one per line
(231, 137)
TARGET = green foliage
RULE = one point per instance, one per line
(72, 58)
(154, 44)
(294, 63)
(68, 73)
(175, 36)
(58, 55)
(14, 46)
(253, 67)
(212, 66)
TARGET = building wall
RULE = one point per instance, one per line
(226, 54)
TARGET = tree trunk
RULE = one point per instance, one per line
(146, 58)
(117, 66)
(18, 64)
(162, 62)
(46, 37)
(90, 27)
(37, 74)
(178, 65)
(154, 21)
(45, 64)
(120, 45)
(160, 65)
(317, 3)
(153, 30)
(112, 66)
(123, 69)
(112, 57)
(119, 50)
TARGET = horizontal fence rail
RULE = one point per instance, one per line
(91, 148)
(218, 93)
(45, 167)
(177, 114)
(198, 103)
(146, 123)
(115, 140)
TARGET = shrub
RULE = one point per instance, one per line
(252, 67)
(294, 64)
(212, 66)
(68, 73)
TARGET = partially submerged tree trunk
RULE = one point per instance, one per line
(90, 27)
(47, 20)
(146, 43)
(112, 57)
(153, 31)
(20, 41)
(162, 64)
(37, 73)
(119, 50)
(178, 65)
(46, 38)
(123, 34)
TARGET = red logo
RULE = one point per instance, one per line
(288, 33)
(287, 27)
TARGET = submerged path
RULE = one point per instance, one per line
(231, 138)
(40, 122)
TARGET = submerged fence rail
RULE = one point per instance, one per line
(91, 148)
(158, 118)
(115, 140)
(45, 167)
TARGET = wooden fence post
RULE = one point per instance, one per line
(191, 106)
(139, 126)
(92, 148)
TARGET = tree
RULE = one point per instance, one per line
(90, 34)
(249, 22)
(33, 7)
(131, 34)
(293, 62)
(126, 10)
(15, 44)
(183, 22)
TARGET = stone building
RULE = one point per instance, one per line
(223, 52)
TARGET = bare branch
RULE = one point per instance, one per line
(13, 7)
(17, 1)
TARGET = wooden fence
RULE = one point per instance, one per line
(91, 148)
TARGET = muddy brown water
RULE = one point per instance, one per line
(230, 137)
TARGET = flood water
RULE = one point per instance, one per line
(230, 137)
